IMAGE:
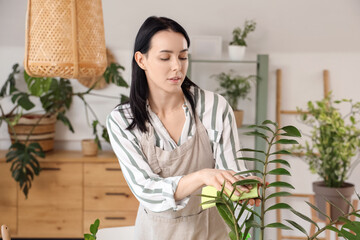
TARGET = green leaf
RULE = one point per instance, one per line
(279, 206)
(246, 182)
(334, 229)
(280, 184)
(255, 133)
(249, 171)
(250, 159)
(318, 210)
(306, 218)
(269, 122)
(226, 215)
(94, 227)
(262, 127)
(353, 226)
(232, 235)
(281, 161)
(65, 120)
(278, 225)
(286, 141)
(253, 223)
(25, 102)
(299, 227)
(291, 131)
(279, 171)
(279, 194)
(89, 237)
(252, 150)
(281, 152)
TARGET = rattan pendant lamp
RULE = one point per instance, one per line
(65, 38)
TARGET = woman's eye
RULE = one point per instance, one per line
(164, 59)
(183, 58)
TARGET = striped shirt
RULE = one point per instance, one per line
(157, 193)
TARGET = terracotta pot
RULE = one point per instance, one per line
(322, 192)
(239, 116)
(43, 133)
(89, 147)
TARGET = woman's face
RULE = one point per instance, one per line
(166, 62)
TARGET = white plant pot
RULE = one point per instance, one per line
(236, 52)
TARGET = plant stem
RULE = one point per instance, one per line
(264, 188)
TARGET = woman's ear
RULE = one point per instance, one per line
(140, 58)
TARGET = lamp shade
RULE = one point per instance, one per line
(65, 38)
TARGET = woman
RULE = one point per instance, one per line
(172, 138)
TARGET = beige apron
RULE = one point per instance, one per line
(191, 222)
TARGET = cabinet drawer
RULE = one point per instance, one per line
(109, 219)
(50, 222)
(103, 174)
(59, 184)
(109, 198)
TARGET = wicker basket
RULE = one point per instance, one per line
(43, 133)
(65, 38)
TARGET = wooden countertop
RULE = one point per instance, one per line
(71, 156)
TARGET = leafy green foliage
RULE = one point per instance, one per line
(335, 139)
(234, 87)
(258, 220)
(113, 75)
(56, 96)
(239, 35)
(93, 230)
(24, 164)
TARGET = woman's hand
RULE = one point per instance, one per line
(217, 177)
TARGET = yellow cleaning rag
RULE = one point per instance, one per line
(212, 191)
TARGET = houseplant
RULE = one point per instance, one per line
(56, 96)
(334, 142)
(235, 87)
(268, 131)
(237, 46)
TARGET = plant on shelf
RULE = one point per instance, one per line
(332, 150)
(233, 88)
(268, 131)
(238, 44)
(55, 96)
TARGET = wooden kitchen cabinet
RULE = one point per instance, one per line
(8, 198)
(109, 199)
(66, 198)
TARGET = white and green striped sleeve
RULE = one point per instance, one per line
(152, 191)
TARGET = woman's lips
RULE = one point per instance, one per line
(174, 79)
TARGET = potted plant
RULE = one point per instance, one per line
(55, 95)
(237, 46)
(332, 150)
(235, 87)
(231, 212)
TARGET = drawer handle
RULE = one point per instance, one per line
(51, 169)
(115, 218)
(113, 169)
(117, 194)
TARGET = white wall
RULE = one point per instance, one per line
(301, 37)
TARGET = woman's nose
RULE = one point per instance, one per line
(176, 64)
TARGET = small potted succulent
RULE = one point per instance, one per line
(235, 87)
(333, 149)
(237, 46)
